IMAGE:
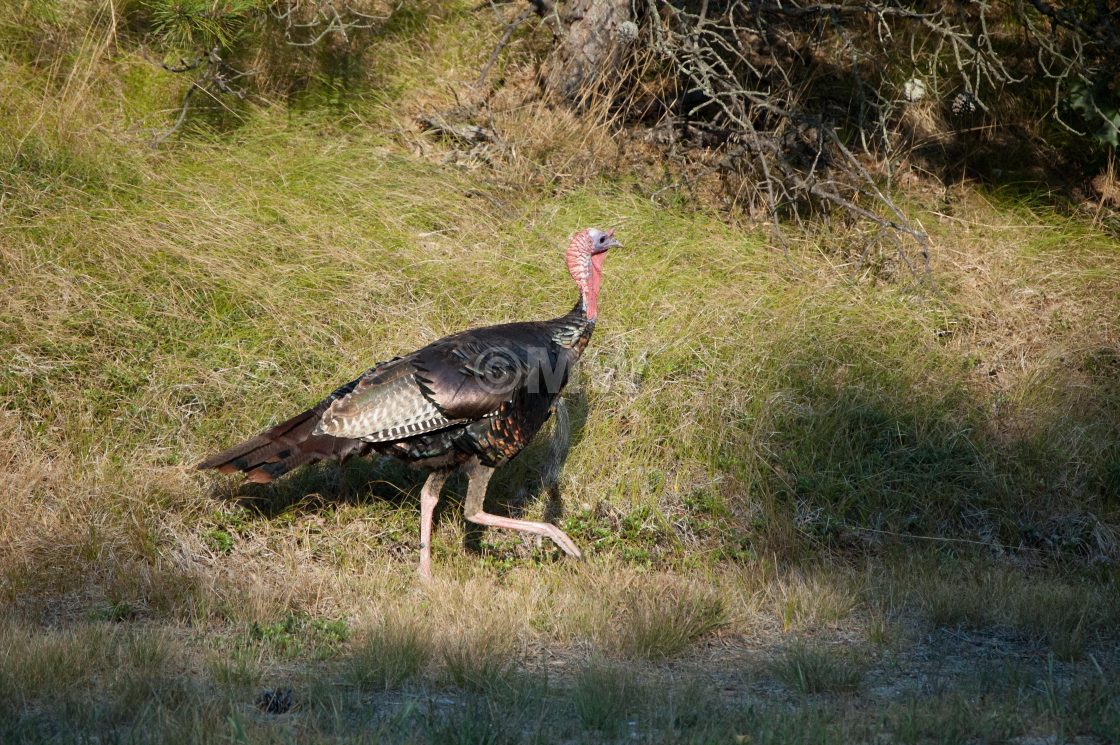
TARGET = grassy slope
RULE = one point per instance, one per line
(753, 431)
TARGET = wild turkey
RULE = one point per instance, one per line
(472, 400)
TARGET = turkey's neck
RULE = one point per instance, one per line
(589, 288)
(572, 331)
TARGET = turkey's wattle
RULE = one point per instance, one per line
(472, 400)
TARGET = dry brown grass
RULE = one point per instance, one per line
(810, 601)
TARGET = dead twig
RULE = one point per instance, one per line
(521, 17)
(218, 77)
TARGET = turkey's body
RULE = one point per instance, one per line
(530, 360)
(472, 400)
(480, 393)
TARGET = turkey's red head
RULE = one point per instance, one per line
(586, 252)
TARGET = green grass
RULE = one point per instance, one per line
(474, 725)
(605, 694)
(237, 670)
(1064, 617)
(392, 652)
(296, 635)
(764, 443)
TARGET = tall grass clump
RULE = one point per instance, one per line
(661, 619)
(812, 668)
(691, 706)
(37, 666)
(605, 694)
(479, 659)
(809, 600)
(238, 669)
(1067, 612)
(390, 653)
(476, 723)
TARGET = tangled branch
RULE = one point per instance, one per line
(308, 22)
(223, 36)
(216, 77)
(759, 79)
(803, 100)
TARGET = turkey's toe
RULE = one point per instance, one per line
(561, 539)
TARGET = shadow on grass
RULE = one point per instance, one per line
(859, 447)
(531, 476)
(96, 683)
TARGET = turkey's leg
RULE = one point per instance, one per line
(429, 497)
(476, 494)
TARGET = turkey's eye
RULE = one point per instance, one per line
(602, 239)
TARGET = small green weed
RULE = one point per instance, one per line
(116, 611)
(219, 540)
(297, 634)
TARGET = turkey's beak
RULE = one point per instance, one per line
(611, 243)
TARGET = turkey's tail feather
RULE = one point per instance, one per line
(276, 451)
